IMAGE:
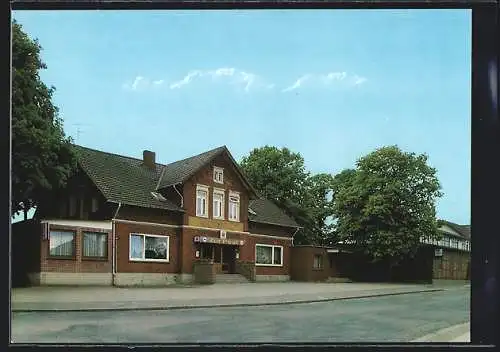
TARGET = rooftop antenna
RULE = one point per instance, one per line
(78, 129)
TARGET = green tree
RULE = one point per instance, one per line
(280, 176)
(387, 204)
(42, 157)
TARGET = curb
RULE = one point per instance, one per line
(229, 305)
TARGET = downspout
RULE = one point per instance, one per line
(297, 230)
(113, 244)
(182, 231)
(180, 195)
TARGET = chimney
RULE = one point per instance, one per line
(148, 158)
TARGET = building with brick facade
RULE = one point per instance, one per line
(126, 221)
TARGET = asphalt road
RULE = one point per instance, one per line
(382, 319)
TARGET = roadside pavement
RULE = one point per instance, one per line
(182, 297)
(456, 333)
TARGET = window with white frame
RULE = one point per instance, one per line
(218, 206)
(144, 247)
(218, 174)
(234, 206)
(268, 255)
(95, 244)
(201, 201)
(61, 243)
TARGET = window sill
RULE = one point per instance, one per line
(218, 182)
(218, 218)
(202, 216)
(273, 265)
(234, 220)
(318, 269)
(61, 258)
(95, 259)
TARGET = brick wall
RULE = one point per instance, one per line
(78, 263)
(123, 263)
(270, 270)
(302, 264)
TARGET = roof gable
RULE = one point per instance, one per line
(180, 171)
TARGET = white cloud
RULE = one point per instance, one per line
(234, 76)
(327, 79)
(297, 83)
(158, 82)
(335, 76)
(186, 80)
(358, 80)
(138, 83)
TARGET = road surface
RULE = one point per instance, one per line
(381, 319)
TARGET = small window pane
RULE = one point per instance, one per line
(95, 244)
(277, 256)
(156, 247)
(136, 247)
(264, 255)
(61, 243)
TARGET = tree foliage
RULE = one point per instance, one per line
(42, 158)
(279, 175)
(387, 203)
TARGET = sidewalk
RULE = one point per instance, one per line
(179, 297)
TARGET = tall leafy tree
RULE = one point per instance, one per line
(387, 204)
(42, 158)
(280, 176)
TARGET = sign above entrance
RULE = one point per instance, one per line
(215, 240)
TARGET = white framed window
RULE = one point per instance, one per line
(218, 175)
(318, 261)
(234, 206)
(149, 248)
(62, 243)
(202, 201)
(268, 255)
(218, 204)
(95, 245)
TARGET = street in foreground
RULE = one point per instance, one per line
(381, 319)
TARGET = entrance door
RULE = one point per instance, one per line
(228, 259)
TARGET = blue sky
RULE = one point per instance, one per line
(330, 84)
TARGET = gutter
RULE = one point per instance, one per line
(180, 195)
(113, 245)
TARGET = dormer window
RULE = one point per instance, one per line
(218, 175)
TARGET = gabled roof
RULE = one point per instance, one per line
(266, 212)
(462, 230)
(180, 171)
(123, 179)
